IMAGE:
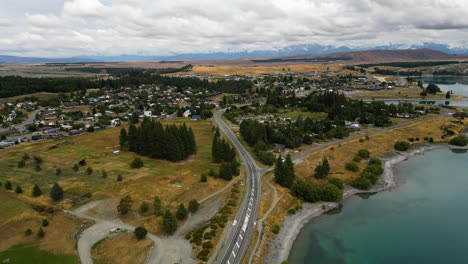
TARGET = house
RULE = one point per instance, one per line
(196, 117)
(186, 113)
(116, 152)
(279, 148)
(115, 122)
(147, 113)
(52, 123)
(6, 144)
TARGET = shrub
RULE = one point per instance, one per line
(89, 171)
(357, 158)
(375, 169)
(136, 163)
(402, 145)
(58, 172)
(374, 161)
(330, 193)
(364, 153)
(411, 139)
(181, 212)
(140, 233)
(28, 232)
(266, 157)
(203, 178)
(18, 189)
(459, 141)
(119, 178)
(40, 233)
(361, 183)
(193, 206)
(275, 229)
(45, 222)
(337, 182)
(207, 245)
(8, 185)
(144, 207)
(431, 140)
(36, 192)
(292, 211)
(352, 166)
(21, 163)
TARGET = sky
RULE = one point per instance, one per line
(60, 28)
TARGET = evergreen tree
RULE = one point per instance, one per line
(203, 178)
(132, 138)
(193, 206)
(119, 178)
(58, 171)
(123, 139)
(36, 191)
(323, 169)
(157, 206)
(18, 189)
(21, 163)
(289, 172)
(169, 222)
(75, 168)
(125, 205)
(279, 172)
(104, 174)
(56, 193)
(8, 185)
(40, 233)
(89, 171)
(181, 212)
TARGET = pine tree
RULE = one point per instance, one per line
(289, 172)
(36, 191)
(18, 189)
(104, 174)
(193, 206)
(119, 178)
(323, 169)
(56, 193)
(169, 222)
(203, 178)
(157, 206)
(123, 139)
(58, 171)
(75, 168)
(125, 205)
(181, 212)
(132, 138)
(8, 185)
(40, 233)
(279, 171)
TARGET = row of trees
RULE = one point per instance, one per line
(56, 192)
(173, 143)
(284, 172)
(222, 152)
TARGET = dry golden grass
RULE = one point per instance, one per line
(41, 95)
(122, 249)
(257, 70)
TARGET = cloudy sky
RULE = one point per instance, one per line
(57, 28)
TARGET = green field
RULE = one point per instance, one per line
(298, 113)
(27, 253)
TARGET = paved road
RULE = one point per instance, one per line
(239, 236)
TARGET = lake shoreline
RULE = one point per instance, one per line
(280, 247)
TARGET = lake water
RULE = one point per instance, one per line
(422, 221)
(457, 84)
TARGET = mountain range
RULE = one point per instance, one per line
(306, 49)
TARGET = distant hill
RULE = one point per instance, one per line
(15, 59)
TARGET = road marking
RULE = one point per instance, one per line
(234, 254)
(229, 262)
(237, 244)
(241, 237)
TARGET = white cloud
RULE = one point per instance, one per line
(111, 27)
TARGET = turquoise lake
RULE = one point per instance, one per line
(424, 220)
(457, 84)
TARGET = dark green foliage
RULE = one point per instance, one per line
(181, 212)
(56, 193)
(459, 141)
(136, 163)
(275, 229)
(18, 189)
(314, 193)
(119, 178)
(58, 172)
(375, 161)
(76, 168)
(448, 95)
(169, 222)
(402, 145)
(221, 150)
(125, 205)
(140, 233)
(284, 172)
(89, 171)
(21, 163)
(157, 206)
(357, 158)
(361, 183)
(40, 233)
(38, 160)
(433, 89)
(203, 178)
(45, 222)
(364, 153)
(322, 170)
(38, 167)
(25, 156)
(151, 139)
(8, 185)
(193, 206)
(352, 166)
(144, 207)
(207, 245)
(36, 192)
(123, 139)
(265, 157)
(337, 182)
(431, 140)
(104, 174)
(28, 232)
(228, 170)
